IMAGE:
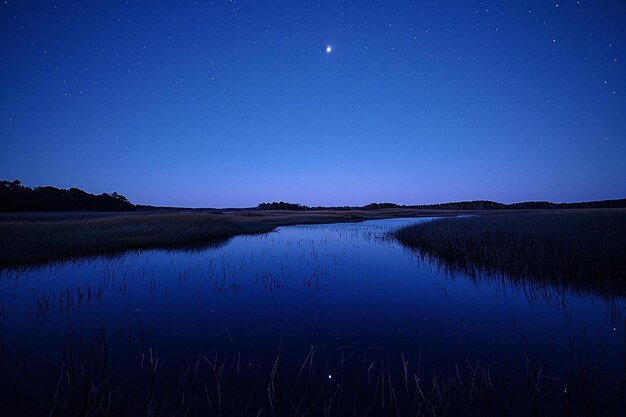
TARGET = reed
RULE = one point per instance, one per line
(586, 250)
(25, 242)
(86, 382)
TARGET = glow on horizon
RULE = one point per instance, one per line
(204, 104)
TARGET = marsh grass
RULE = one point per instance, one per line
(358, 381)
(118, 369)
(25, 242)
(586, 250)
(32, 238)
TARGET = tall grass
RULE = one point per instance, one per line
(584, 249)
(39, 237)
(360, 382)
(23, 242)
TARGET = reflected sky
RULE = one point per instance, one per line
(336, 287)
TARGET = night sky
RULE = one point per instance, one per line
(230, 103)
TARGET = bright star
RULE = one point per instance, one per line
(329, 49)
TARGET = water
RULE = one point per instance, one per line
(346, 292)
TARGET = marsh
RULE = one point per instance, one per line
(333, 319)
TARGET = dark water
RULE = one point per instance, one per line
(345, 294)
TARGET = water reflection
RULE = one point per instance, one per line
(320, 317)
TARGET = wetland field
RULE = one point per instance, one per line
(357, 317)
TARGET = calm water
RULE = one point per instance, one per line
(342, 291)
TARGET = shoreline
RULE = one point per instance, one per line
(31, 239)
(38, 238)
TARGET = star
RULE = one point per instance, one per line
(329, 49)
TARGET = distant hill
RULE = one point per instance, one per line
(493, 205)
(465, 205)
(281, 205)
(461, 205)
(16, 197)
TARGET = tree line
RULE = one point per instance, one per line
(14, 196)
(461, 205)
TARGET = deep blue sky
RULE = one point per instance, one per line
(230, 103)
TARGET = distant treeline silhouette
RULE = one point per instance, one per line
(493, 205)
(16, 197)
(281, 205)
(461, 205)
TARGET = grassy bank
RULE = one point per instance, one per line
(28, 238)
(584, 249)
(25, 242)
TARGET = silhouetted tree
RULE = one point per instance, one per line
(281, 206)
(16, 197)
